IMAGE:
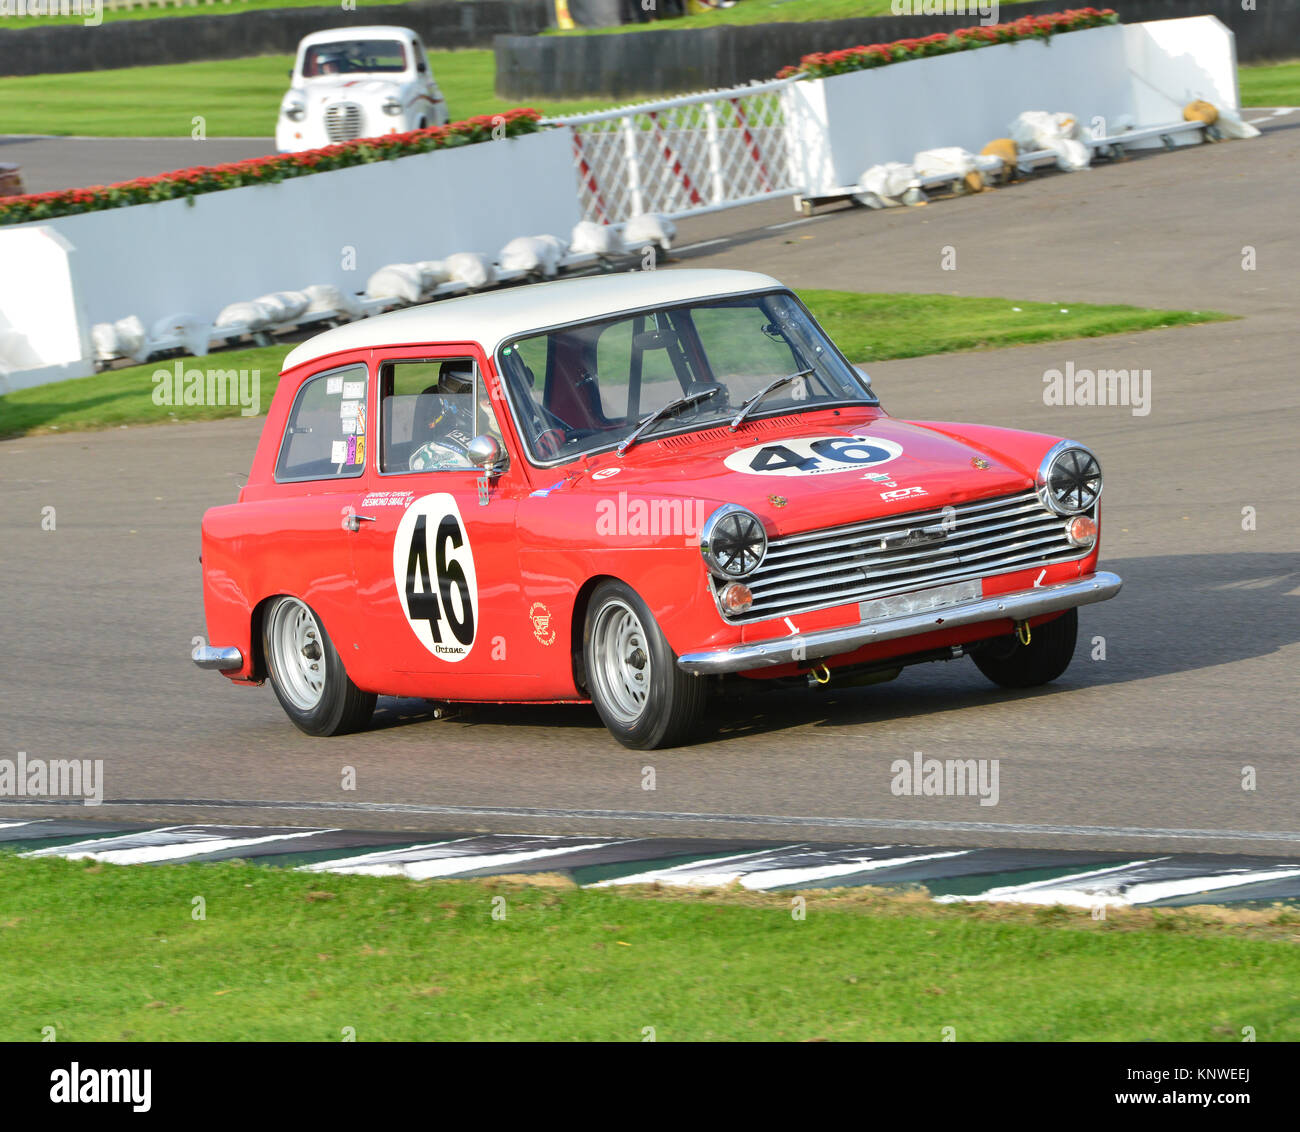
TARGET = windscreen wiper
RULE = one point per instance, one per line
(659, 414)
(756, 400)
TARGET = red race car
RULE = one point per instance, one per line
(626, 490)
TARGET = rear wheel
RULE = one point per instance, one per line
(1013, 664)
(644, 699)
(307, 672)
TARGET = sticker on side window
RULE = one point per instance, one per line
(436, 583)
(812, 456)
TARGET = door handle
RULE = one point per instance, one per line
(354, 521)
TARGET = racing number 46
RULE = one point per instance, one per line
(423, 604)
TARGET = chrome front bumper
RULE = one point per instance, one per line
(1019, 605)
(221, 659)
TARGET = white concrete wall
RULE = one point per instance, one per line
(41, 338)
(1174, 62)
(845, 124)
(154, 260)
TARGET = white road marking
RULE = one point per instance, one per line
(175, 844)
(721, 871)
(1117, 887)
(16, 824)
(702, 244)
(791, 223)
(440, 860)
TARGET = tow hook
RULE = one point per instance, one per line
(1022, 632)
(819, 675)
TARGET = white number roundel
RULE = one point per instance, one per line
(814, 456)
(436, 583)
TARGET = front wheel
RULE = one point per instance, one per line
(307, 672)
(644, 699)
(1012, 664)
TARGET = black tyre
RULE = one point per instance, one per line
(1008, 662)
(307, 672)
(644, 699)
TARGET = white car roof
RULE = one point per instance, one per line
(374, 31)
(492, 317)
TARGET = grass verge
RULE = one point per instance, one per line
(114, 953)
(867, 327)
(1270, 84)
(235, 97)
(772, 11)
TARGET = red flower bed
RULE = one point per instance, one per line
(265, 170)
(820, 65)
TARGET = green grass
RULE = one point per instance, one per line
(236, 97)
(205, 9)
(750, 12)
(868, 328)
(109, 953)
(1270, 84)
(767, 12)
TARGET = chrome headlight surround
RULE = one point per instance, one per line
(733, 542)
(295, 111)
(1069, 479)
(392, 107)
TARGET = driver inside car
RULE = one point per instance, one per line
(444, 420)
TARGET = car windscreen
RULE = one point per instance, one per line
(354, 57)
(585, 387)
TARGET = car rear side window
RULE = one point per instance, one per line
(326, 434)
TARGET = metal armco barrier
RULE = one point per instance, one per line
(682, 156)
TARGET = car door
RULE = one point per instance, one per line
(434, 542)
(295, 529)
(429, 100)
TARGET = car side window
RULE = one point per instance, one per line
(430, 410)
(326, 434)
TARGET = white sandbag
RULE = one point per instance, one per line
(103, 338)
(1057, 133)
(432, 273)
(130, 336)
(190, 329)
(471, 268)
(649, 228)
(285, 306)
(1071, 155)
(1037, 129)
(398, 282)
(1231, 126)
(951, 161)
(325, 298)
(252, 315)
(530, 253)
(590, 238)
(886, 183)
(560, 245)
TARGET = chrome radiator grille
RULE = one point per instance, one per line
(343, 121)
(837, 565)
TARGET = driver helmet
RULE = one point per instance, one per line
(456, 379)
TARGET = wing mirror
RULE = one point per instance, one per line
(486, 452)
(865, 379)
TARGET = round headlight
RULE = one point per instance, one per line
(392, 106)
(295, 111)
(733, 542)
(1069, 479)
